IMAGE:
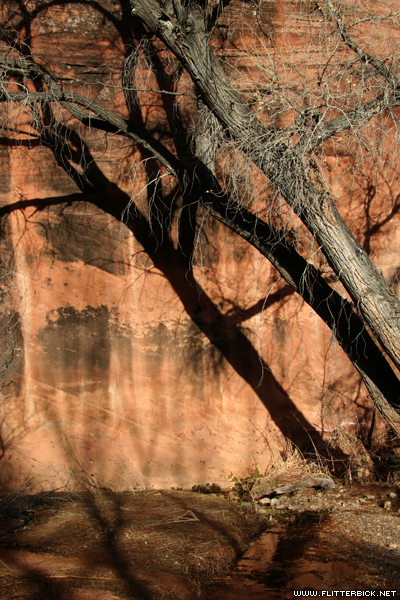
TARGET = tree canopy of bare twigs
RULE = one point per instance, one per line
(320, 82)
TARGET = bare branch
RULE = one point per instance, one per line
(363, 56)
(287, 169)
(348, 120)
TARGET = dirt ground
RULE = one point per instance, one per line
(172, 545)
(103, 546)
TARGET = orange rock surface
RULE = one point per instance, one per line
(133, 372)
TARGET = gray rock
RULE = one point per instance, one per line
(265, 501)
(309, 481)
(284, 489)
(324, 482)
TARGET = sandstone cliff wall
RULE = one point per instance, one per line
(131, 372)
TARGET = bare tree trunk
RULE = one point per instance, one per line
(334, 310)
(183, 28)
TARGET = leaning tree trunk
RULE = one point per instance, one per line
(183, 28)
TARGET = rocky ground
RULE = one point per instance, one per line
(179, 544)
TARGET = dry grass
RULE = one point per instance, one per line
(20, 502)
(358, 464)
(290, 462)
(288, 466)
(158, 545)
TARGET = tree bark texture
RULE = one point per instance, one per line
(183, 28)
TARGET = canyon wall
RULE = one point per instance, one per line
(131, 371)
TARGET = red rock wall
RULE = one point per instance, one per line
(131, 372)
